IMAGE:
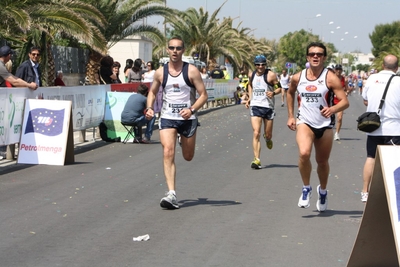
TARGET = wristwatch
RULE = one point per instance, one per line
(192, 110)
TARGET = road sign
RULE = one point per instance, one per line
(288, 65)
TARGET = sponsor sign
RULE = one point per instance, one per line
(46, 132)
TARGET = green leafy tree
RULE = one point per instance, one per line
(292, 47)
(378, 61)
(210, 38)
(385, 37)
(35, 23)
(126, 18)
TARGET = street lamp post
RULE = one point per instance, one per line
(316, 16)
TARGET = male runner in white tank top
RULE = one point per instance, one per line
(284, 79)
(315, 119)
(178, 114)
(263, 87)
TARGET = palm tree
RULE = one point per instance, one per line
(35, 23)
(209, 38)
(126, 18)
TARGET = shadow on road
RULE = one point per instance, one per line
(329, 213)
(279, 166)
(204, 201)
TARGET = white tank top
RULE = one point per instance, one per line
(177, 95)
(259, 94)
(311, 95)
(284, 81)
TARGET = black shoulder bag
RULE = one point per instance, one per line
(370, 121)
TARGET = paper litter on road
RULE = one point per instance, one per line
(141, 238)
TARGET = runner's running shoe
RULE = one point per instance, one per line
(322, 202)
(256, 164)
(304, 200)
(336, 137)
(364, 196)
(269, 142)
(169, 201)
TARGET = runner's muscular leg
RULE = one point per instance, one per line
(188, 146)
(323, 147)
(304, 138)
(268, 126)
(339, 119)
(256, 124)
(168, 141)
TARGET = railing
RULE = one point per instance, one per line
(88, 104)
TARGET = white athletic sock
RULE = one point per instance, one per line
(172, 192)
(322, 191)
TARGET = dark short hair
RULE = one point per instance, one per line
(177, 38)
(34, 48)
(151, 64)
(338, 67)
(137, 63)
(116, 64)
(317, 44)
(142, 89)
(107, 61)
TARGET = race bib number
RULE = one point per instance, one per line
(259, 93)
(311, 98)
(174, 109)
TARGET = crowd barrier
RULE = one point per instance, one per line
(88, 103)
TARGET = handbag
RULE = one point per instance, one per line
(371, 121)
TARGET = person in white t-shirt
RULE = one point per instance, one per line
(389, 131)
(149, 74)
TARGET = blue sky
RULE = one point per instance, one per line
(346, 24)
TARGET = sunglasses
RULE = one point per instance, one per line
(260, 64)
(35, 54)
(177, 48)
(315, 54)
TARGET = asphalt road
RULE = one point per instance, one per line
(87, 213)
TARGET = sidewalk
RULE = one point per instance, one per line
(90, 137)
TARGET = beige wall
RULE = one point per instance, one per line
(133, 48)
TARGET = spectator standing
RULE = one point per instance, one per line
(180, 81)
(204, 74)
(236, 95)
(389, 131)
(148, 76)
(115, 69)
(59, 79)
(8, 66)
(128, 66)
(263, 87)
(135, 73)
(106, 74)
(133, 113)
(29, 70)
(216, 73)
(315, 119)
(5, 75)
(225, 72)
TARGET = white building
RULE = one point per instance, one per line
(131, 48)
